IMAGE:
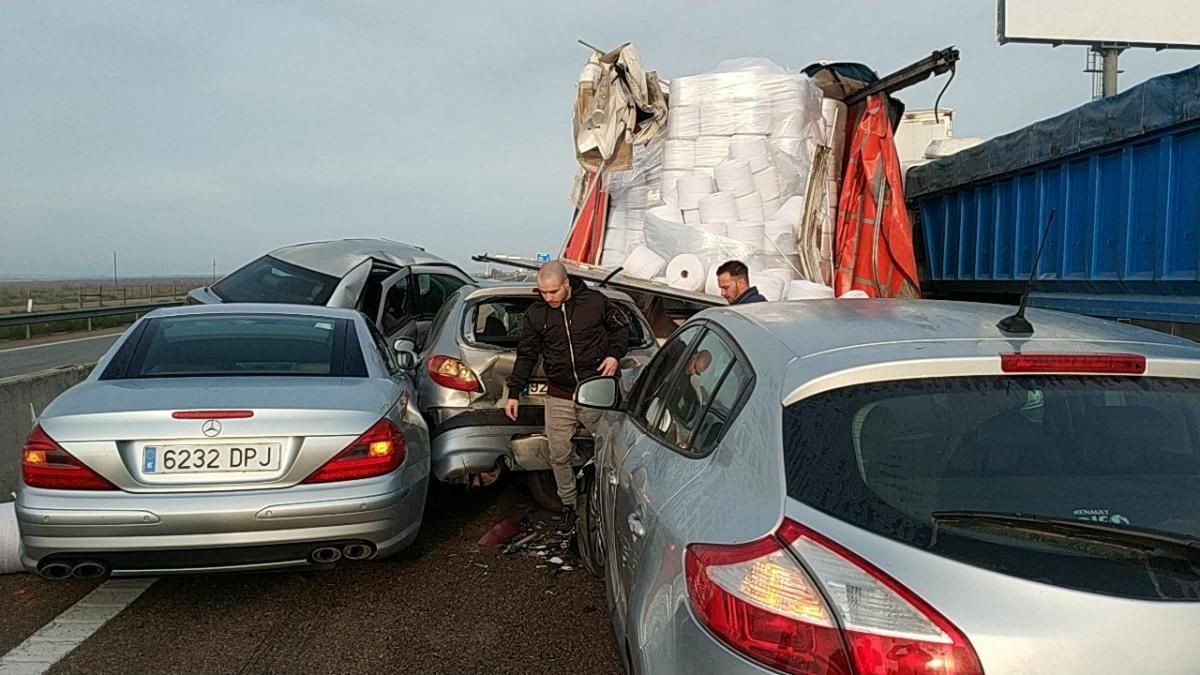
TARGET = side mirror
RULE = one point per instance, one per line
(406, 353)
(602, 393)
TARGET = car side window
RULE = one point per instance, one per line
(385, 350)
(432, 291)
(397, 308)
(721, 410)
(689, 391)
(654, 376)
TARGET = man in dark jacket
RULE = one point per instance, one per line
(734, 279)
(578, 333)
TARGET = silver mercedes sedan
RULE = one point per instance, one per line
(872, 486)
(227, 437)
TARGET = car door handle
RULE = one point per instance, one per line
(612, 478)
(635, 527)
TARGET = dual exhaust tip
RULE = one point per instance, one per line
(327, 555)
(59, 570)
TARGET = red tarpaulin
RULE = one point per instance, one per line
(874, 249)
(586, 237)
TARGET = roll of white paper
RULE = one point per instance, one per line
(752, 149)
(683, 121)
(771, 207)
(747, 233)
(718, 208)
(734, 175)
(686, 272)
(692, 216)
(766, 183)
(750, 208)
(690, 188)
(711, 150)
(643, 263)
(854, 293)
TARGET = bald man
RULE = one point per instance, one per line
(578, 333)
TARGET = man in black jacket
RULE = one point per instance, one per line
(733, 278)
(578, 333)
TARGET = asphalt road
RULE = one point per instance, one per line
(33, 358)
(453, 608)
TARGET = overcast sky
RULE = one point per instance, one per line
(179, 132)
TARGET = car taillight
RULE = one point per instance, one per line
(1116, 364)
(760, 601)
(380, 450)
(45, 464)
(452, 374)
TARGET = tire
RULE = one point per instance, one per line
(544, 489)
(589, 534)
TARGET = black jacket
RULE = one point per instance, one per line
(598, 330)
(751, 295)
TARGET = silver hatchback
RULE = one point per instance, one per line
(470, 353)
(852, 486)
(227, 437)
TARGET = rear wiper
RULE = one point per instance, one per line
(1117, 535)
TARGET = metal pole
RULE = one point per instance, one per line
(1109, 66)
(114, 269)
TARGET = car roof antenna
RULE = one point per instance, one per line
(1017, 324)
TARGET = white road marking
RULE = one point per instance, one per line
(68, 630)
(60, 342)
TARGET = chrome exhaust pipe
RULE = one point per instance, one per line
(358, 551)
(325, 555)
(55, 571)
(89, 569)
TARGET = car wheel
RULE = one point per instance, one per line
(590, 534)
(544, 489)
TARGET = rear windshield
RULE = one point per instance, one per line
(497, 322)
(271, 280)
(899, 458)
(241, 345)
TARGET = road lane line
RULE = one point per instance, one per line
(60, 342)
(54, 641)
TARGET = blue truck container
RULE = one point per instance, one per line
(1123, 176)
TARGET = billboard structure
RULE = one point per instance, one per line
(1108, 27)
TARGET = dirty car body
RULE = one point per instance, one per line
(398, 286)
(893, 486)
(476, 336)
(227, 437)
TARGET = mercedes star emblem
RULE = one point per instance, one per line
(211, 428)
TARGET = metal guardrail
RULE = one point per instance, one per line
(31, 318)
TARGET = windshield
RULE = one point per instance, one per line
(892, 456)
(241, 345)
(271, 280)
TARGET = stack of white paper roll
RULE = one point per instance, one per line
(711, 151)
(801, 289)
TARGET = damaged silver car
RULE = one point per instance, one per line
(461, 379)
